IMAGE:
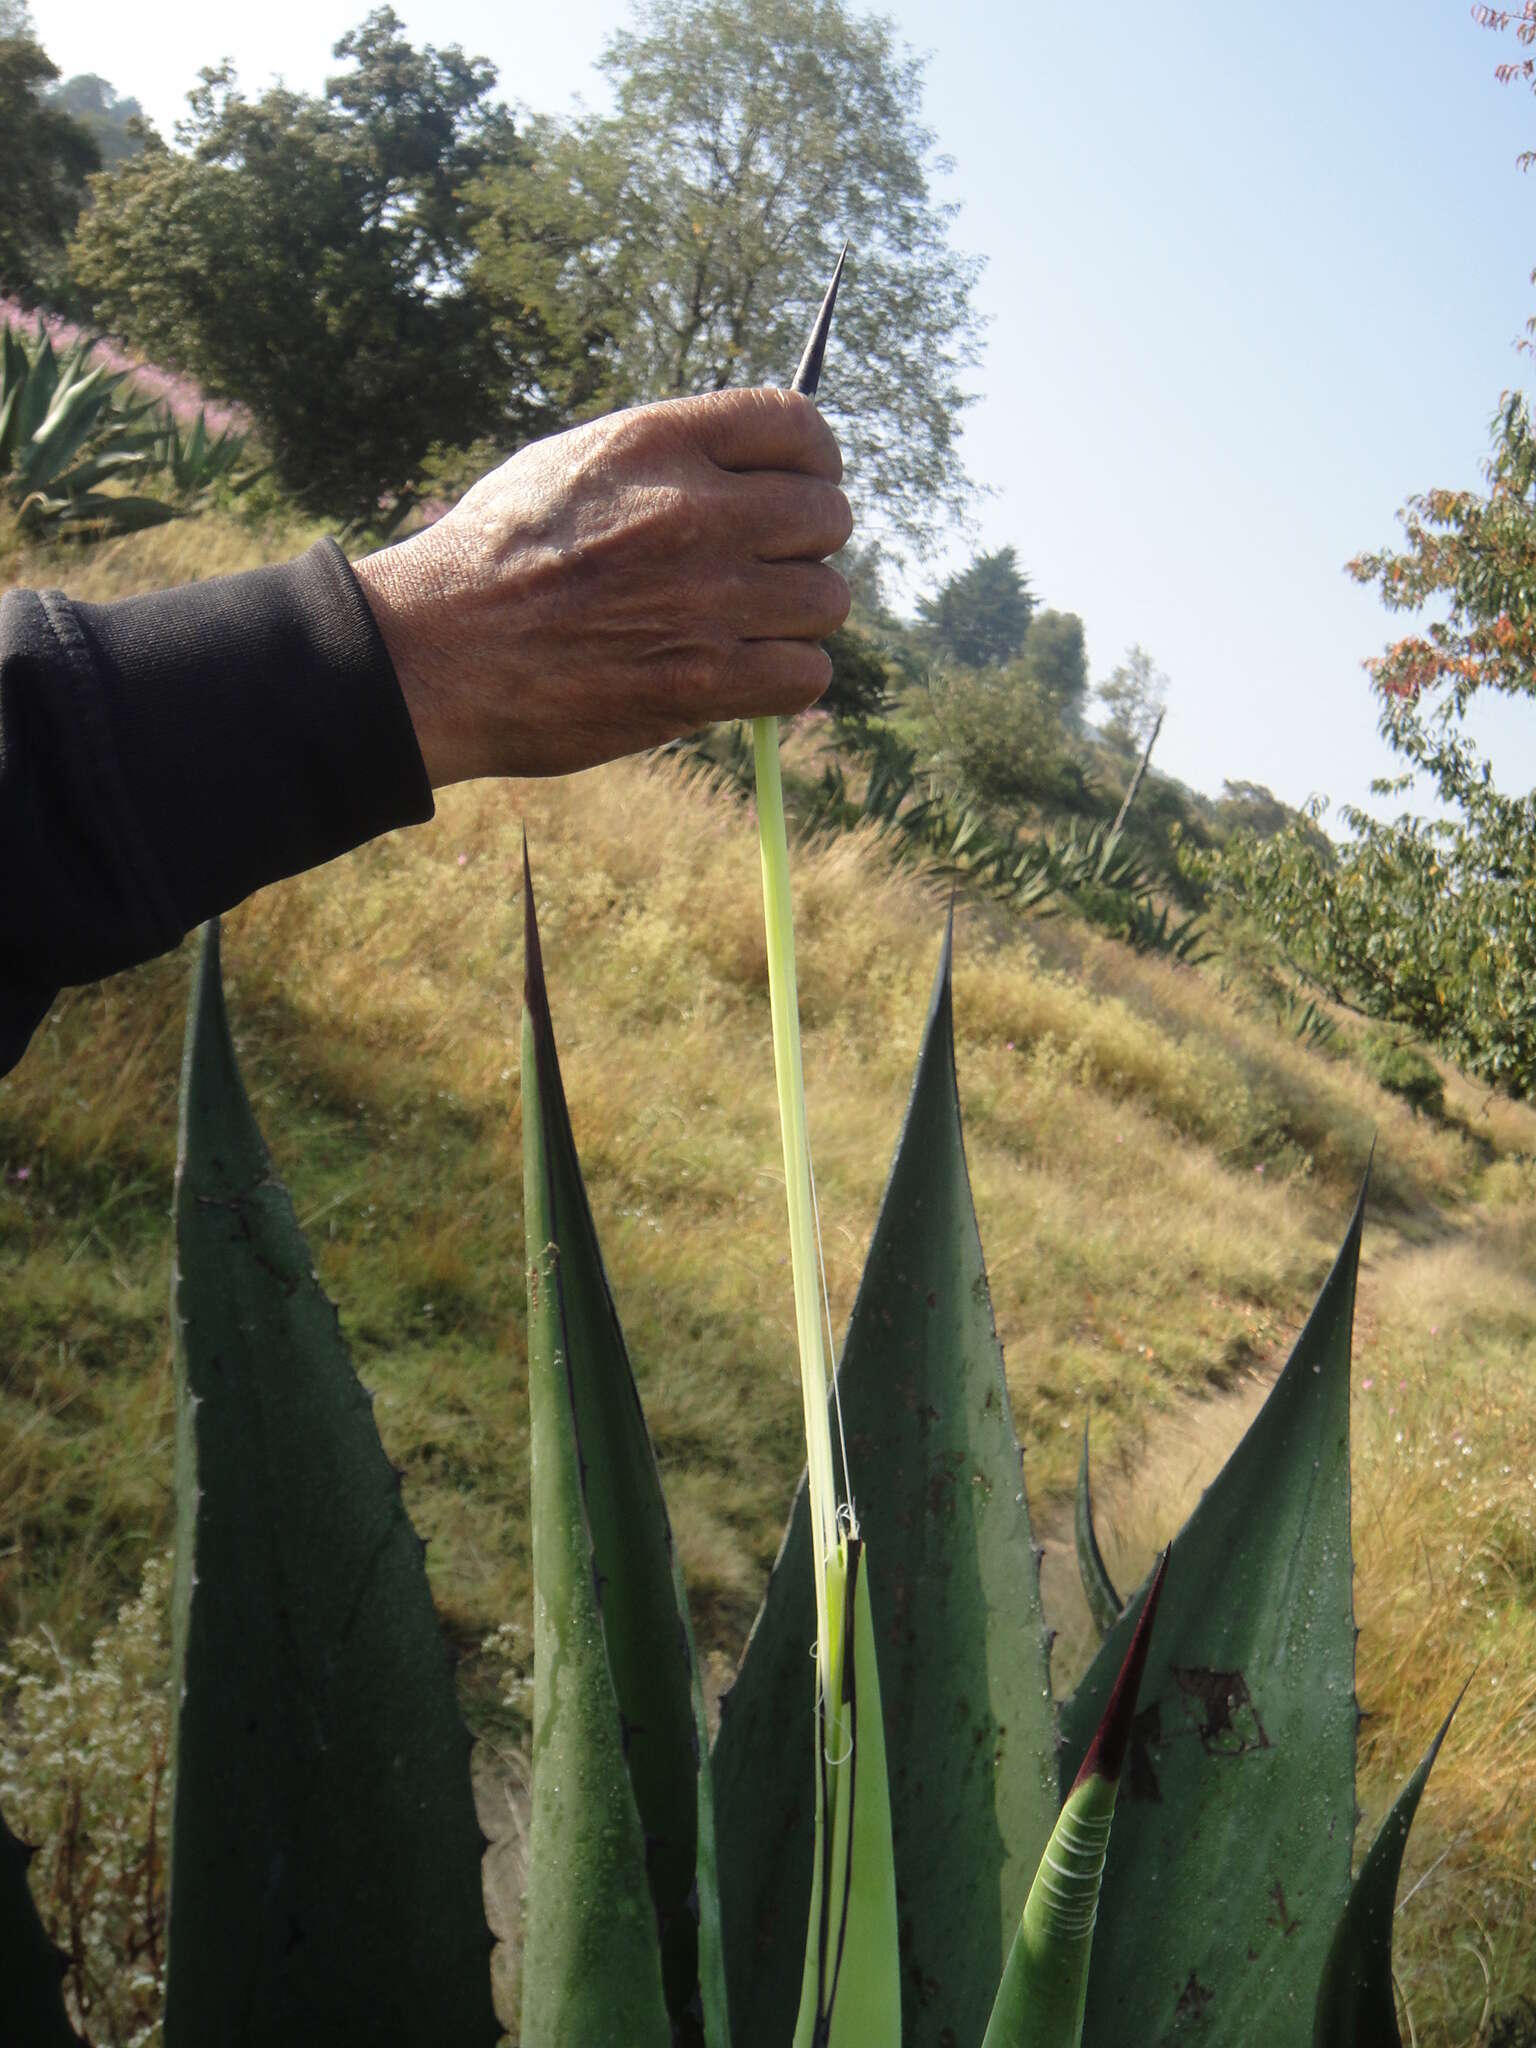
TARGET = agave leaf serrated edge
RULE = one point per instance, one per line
(324, 1879)
(1355, 2004)
(1241, 1782)
(623, 1932)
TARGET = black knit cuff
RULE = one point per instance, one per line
(259, 725)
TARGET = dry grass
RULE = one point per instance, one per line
(1445, 1548)
(1160, 1181)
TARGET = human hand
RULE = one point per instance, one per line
(619, 585)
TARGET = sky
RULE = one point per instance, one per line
(1254, 275)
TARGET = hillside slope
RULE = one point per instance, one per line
(1160, 1179)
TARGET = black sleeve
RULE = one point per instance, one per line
(163, 757)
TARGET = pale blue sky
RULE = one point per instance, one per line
(1254, 275)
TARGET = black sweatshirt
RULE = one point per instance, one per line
(162, 757)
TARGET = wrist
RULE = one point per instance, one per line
(405, 590)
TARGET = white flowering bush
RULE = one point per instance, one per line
(83, 1748)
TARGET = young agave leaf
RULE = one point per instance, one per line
(32, 1969)
(621, 1942)
(1045, 1986)
(1104, 1603)
(1355, 2005)
(325, 1858)
(969, 1732)
(1237, 1815)
(850, 1995)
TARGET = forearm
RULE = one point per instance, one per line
(163, 757)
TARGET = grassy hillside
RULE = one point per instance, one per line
(1161, 1180)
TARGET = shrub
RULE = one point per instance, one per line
(1398, 1066)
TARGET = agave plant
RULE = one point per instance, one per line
(905, 1839)
(197, 462)
(65, 430)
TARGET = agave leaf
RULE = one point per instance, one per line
(850, 1992)
(325, 1859)
(38, 387)
(1355, 2005)
(1045, 1985)
(1104, 1603)
(13, 362)
(117, 515)
(73, 417)
(1237, 1814)
(31, 1980)
(10, 405)
(969, 1731)
(622, 1934)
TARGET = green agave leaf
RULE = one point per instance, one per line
(122, 515)
(1238, 1811)
(1355, 2005)
(32, 1972)
(72, 419)
(964, 1681)
(325, 1859)
(1041, 1999)
(1104, 1603)
(622, 1940)
(850, 1991)
(10, 402)
(38, 388)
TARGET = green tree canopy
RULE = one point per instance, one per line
(45, 158)
(1431, 923)
(682, 242)
(1054, 652)
(307, 257)
(1134, 698)
(114, 124)
(980, 617)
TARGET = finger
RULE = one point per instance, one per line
(785, 518)
(792, 601)
(771, 679)
(764, 429)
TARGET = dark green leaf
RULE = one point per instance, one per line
(1104, 1603)
(955, 1587)
(32, 1971)
(325, 1859)
(1355, 2005)
(620, 1804)
(1237, 1808)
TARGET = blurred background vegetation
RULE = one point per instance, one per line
(1183, 1016)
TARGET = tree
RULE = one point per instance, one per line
(1005, 742)
(308, 258)
(686, 237)
(1135, 697)
(45, 159)
(1431, 923)
(115, 125)
(980, 617)
(1253, 807)
(1054, 652)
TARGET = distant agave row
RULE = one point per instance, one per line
(325, 1859)
(72, 444)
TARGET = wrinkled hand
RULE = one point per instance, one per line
(619, 585)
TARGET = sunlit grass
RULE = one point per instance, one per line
(1445, 1551)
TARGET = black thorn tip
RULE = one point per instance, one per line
(534, 993)
(808, 376)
